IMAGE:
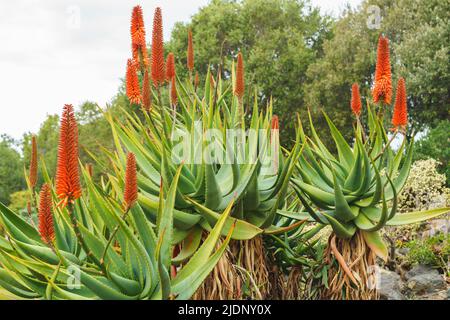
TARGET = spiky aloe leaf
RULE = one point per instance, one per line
(376, 244)
(417, 216)
(242, 229)
(196, 270)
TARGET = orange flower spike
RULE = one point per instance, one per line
(68, 187)
(275, 123)
(190, 52)
(138, 35)
(132, 83)
(383, 79)
(355, 103)
(33, 162)
(173, 92)
(170, 67)
(146, 92)
(196, 80)
(400, 116)
(130, 194)
(46, 228)
(158, 69)
(240, 84)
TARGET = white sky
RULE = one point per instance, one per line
(54, 52)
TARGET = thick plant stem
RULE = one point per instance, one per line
(352, 266)
(241, 273)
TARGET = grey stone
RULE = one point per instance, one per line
(403, 251)
(390, 286)
(438, 295)
(423, 279)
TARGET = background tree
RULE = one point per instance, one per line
(436, 144)
(279, 39)
(11, 169)
(94, 133)
(418, 33)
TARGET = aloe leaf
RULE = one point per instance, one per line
(182, 220)
(318, 217)
(242, 230)
(353, 180)
(344, 150)
(342, 230)
(417, 216)
(14, 287)
(400, 181)
(295, 215)
(213, 195)
(189, 245)
(376, 244)
(19, 228)
(101, 289)
(205, 250)
(201, 264)
(165, 226)
(342, 209)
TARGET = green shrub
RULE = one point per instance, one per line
(433, 251)
(436, 145)
(425, 187)
(19, 200)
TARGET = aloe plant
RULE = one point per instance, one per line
(250, 176)
(354, 192)
(136, 267)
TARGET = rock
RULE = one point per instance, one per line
(390, 286)
(403, 251)
(436, 226)
(423, 279)
(438, 295)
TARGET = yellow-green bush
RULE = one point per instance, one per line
(425, 187)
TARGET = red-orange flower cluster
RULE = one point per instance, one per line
(190, 52)
(130, 194)
(275, 123)
(355, 103)
(173, 92)
(68, 186)
(196, 80)
(33, 162)
(158, 69)
(138, 45)
(46, 229)
(146, 92)
(240, 84)
(383, 81)
(170, 66)
(400, 116)
(132, 83)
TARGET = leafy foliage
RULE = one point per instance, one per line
(418, 32)
(436, 145)
(278, 39)
(11, 170)
(424, 188)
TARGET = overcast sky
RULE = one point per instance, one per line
(54, 52)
